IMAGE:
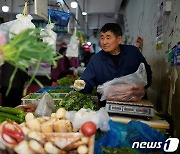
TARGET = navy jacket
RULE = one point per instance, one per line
(101, 67)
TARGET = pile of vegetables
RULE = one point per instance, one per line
(52, 134)
(27, 49)
(74, 101)
(12, 114)
(66, 81)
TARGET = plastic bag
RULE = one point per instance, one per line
(124, 135)
(141, 132)
(100, 118)
(46, 106)
(51, 39)
(2, 41)
(60, 18)
(125, 88)
(22, 22)
(4, 28)
(73, 46)
(114, 138)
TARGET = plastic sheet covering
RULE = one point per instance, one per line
(124, 135)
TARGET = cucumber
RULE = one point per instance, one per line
(10, 110)
(11, 117)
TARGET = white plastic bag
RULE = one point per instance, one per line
(4, 28)
(23, 22)
(100, 118)
(73, 46)
(46, 106)
(126, 88)
(52, 36)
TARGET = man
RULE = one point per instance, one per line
(114, 60)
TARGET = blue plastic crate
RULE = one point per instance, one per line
(49, 88)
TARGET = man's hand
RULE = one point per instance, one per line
(79, 85)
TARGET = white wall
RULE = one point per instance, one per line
(141, 19)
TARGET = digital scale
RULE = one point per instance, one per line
(142, 108)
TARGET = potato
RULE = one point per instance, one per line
(62, 126)
(37, 136)
(82, 149)
(25, 130)
(29, 116)
(50, 148)
(23, 148)
(36, 147)
(47, 127)
(61, 113)
(33, 125)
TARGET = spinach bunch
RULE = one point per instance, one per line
(74, 101)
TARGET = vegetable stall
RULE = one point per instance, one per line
(57, 119)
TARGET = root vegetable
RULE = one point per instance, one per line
(61, 113)
(33, 125)
(82, 149)
(47, 127)
(37, 136)
(36, 147)
(29, 116)
(25, 130)
(53, 115)
(50, 148)
(23, 148)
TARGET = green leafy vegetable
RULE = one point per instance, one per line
(27, 49)
(61, 90)
(66, 81)
(74, 101)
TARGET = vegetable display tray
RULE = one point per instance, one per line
(34, 98)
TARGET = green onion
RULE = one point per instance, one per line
(27, 49)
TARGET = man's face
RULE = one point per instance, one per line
(109, 42)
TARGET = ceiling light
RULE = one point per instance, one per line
(84, 13)
(74, 4)
(5, 8)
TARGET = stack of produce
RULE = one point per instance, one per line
(12, 114)
(74, 101)
(52, 134)
(66, 81)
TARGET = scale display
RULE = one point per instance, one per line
(140, 109)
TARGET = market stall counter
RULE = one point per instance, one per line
(155, 122)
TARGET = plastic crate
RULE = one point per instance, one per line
(34, 98)
(51, 88)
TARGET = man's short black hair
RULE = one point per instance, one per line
(113, 27)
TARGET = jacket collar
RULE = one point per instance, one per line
(105, 55)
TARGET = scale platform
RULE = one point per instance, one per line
(142, 108)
